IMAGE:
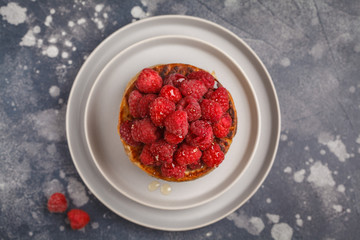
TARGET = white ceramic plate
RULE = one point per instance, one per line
(250, 180)
(101, 119)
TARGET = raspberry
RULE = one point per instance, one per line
(176, 123)
(222, 127)
(134, 98)
(195, 165)
(144, 131)
(213, 156)
(162, 151)
(143, 106)
(194, 88)
(211, 110)
(208, 93)
(172, 138)
(170, 92)
(187, 154)
(191, 107)
(221, 96)
(125, 133)
(203, 76)
(201, 134)
(159, 109)
(57, 203)
(172, 170)
(149, 81)
(145, 157)
(78, 218)
(175, 79)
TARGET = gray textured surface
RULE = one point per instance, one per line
(312, 51)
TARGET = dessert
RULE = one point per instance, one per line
(176, 121)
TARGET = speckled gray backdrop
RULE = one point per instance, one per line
(312, 51)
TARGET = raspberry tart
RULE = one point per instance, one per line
(176, 121)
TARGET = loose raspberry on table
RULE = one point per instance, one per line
(146, 157)
(213, 156)
(211, 110)
(222, 127)
(174, 79)
(125, 133)
(191, 106)
(78, 218)
(173, 170)
(221, 96)
(133, 101)
(144, 103)
(203, 76)
(149, 81)
(144, 131)
(194, 88)
(172, 138)
(162, 151)
(57, 203)
(159, 109)
(177, 123)
(170, 92)
(200, 134)
(187, 154)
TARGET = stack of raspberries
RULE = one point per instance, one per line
(176, 120)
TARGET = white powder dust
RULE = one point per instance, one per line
(54, 91)
(81, 21)
(299, 176)
(273, 217)
(138, 12)
(287, 170)
(253, 225)
(299, 222)
(95, 225)
(336, 146)
(285, 62)
(341, 188)
(48, 21)
(52, 51)
(320, 175)
(338, 208)
(77, 192)
(52, 187)
(13, 13)
(281, 231)
(283, 137)
(28, 39)
(99, 7)
(268, 200)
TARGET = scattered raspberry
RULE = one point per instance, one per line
(143, 106)
(162, 151)
(149, 81)
(187, 154)
(203, 76)
(173, 170)
(191, 107)
(145, 157)
(175, 79)
(177, 123)
(125, 133)
(201, 134)
(211, 110)
(57, 203)
(78, 218)
(160, 108)
(221, 96)
(172, 138)
(170, 92)
(222, 127)
(213, 156)
(144, 131)
(134, 98)
(194, 88)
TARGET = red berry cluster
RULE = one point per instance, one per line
(177, 120)
(78, 218)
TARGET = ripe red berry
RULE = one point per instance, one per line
(221, 96)
(162, 151)
(134, 98)
(222, 127)
(191, 106)
(174, 79)
(177, 123)
(149, 81)
(200, 134)
(170, 92)
(145, 157)
(78, 218)
(125, 133)
(203, 76)
(194, 88)
(172, 138)
(211, 110)
(159, 109)
(144, 103)
(173, 170)
(213, 156)
(144, 131)
(57, 203)
(187, 154)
